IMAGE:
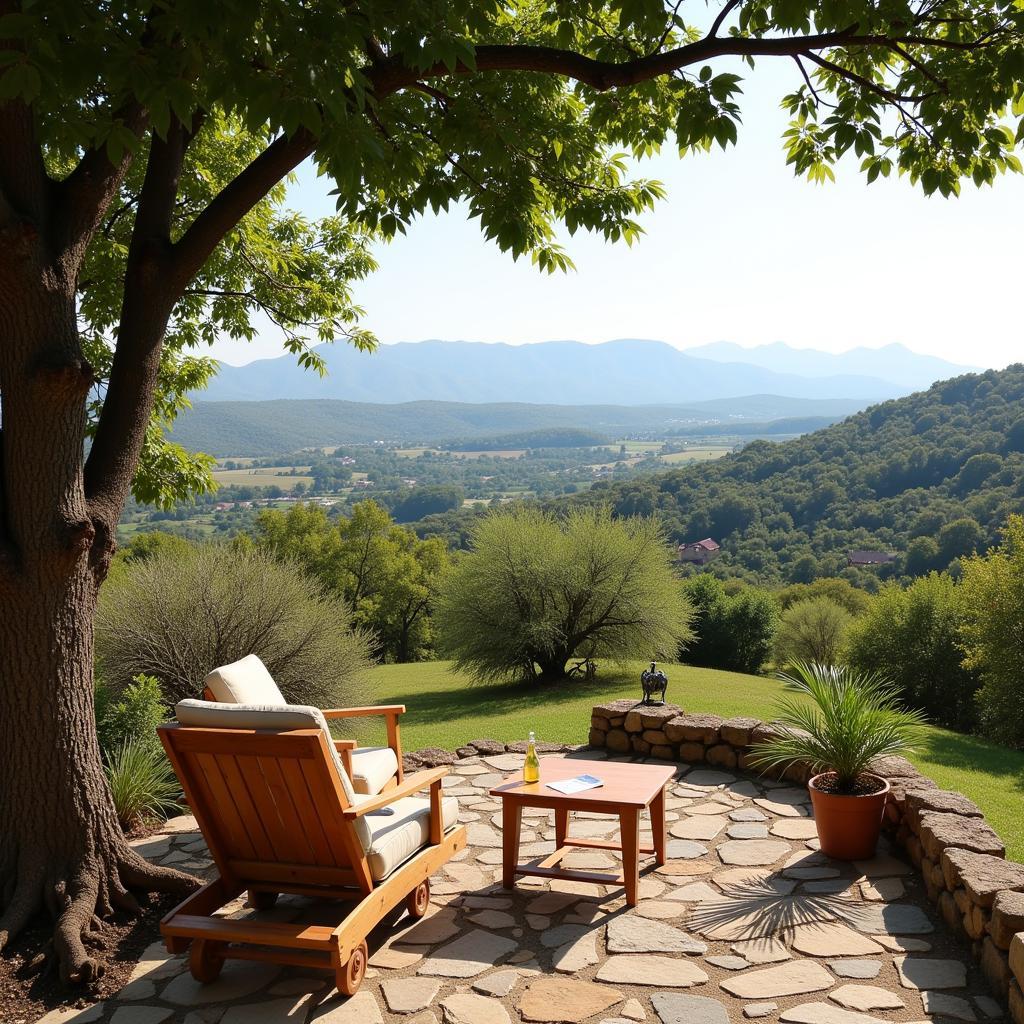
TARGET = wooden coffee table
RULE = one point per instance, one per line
(628, 789)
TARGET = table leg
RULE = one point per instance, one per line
(511, 822)
(629, 828)
(658, 826)
(561, 826)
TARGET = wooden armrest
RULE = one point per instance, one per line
(382, 709)
(340, 745)
(412, 784)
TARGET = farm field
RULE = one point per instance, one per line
(695, 454)
(268, 476)
(446, 709)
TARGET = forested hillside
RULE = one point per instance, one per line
(931, 477)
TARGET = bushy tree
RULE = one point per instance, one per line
(912, 637)
(853, 599)
(177, 617)
(535, 591)
(735, 632)
(811, 631)
(385, 573)
(993, 590)
(961, 537)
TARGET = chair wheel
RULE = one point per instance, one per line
(262, 900)
(351, 975)
(418, 900)
(206, 960)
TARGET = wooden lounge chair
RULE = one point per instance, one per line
(372, 769)
(280, 815)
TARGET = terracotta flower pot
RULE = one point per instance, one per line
(848, 826)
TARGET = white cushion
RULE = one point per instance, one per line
(208, 714)
(246, 681)
(397, 835)
(373, 768)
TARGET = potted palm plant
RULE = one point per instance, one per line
(839, 721)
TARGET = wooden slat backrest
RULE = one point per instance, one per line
(268, 802)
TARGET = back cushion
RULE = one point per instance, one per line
(245, 681)
(207, 714)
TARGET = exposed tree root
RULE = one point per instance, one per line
(79, 897)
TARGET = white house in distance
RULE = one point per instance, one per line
(699, 552)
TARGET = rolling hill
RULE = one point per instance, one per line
(269, 428)
(930, 477)
(623, 372)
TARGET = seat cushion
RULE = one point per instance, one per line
(245, 681)
(373, 768)
(396, 836)
(207, 714)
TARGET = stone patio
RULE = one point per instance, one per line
(746, 920)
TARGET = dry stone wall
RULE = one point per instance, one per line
(962, 860)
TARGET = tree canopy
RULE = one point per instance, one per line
(535, 592)
(385, 573)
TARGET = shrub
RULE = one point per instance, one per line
(535, 591)
(852, 598)
(837, 720)
(176, 616)
(913, 637)
(993, 633)
(132, 714)
(735, 632)
(142, 782)
(811, 631)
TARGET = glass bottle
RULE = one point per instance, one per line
(531, 769)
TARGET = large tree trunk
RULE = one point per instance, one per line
(61, 847)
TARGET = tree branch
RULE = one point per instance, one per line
(86, 193)
(24, 183)
(391, 76)
(722, 15)
(149, 297)
(235, 200)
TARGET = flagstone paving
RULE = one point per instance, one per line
(746, 921)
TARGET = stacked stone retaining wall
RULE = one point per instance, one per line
(962, 860)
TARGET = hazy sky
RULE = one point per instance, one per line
(740, 251)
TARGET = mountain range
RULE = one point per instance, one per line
(627, 371)
(894, 363)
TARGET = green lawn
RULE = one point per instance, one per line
(445, 709)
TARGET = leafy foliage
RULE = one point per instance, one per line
(811, 632)
(993, 633)
(912, 636)
(735, 632)
(276, 267)
(177, 617)
(839, 720)
(141, 782)
(384, 573)
(129, 715)
(534, 592)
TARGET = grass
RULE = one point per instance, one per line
(445, 709)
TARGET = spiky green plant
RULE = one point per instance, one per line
(141, 781)
(837, 719)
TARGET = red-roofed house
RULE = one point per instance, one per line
(699, 552)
